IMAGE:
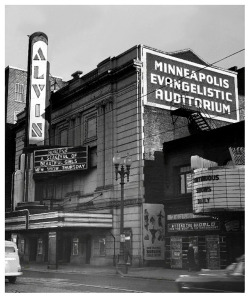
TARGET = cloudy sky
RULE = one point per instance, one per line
(81, 36)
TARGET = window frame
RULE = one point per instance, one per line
(19, 92)
(185, 173)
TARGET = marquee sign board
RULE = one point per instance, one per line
(171, 82)
(66, 159)
(218, 189)
(38, 83)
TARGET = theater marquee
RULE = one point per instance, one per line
(170, 82)
(218, 189)
(60, 159)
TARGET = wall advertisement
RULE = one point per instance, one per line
(218, 189)
(171, 82)
(153, 231)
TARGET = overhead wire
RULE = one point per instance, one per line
(141, 96)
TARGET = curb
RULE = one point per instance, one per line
(116, 272)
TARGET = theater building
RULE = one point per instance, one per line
(70, 208)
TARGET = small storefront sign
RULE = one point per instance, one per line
(193, 226)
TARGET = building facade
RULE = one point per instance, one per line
(124, 106)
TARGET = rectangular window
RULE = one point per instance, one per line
(91, 128)
(100, 246)
(185, 180)
(40, 247)
(75, 246)
(19, 92)
(64, 137)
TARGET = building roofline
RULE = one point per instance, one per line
(13, 67)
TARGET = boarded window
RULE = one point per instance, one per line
(91, 128)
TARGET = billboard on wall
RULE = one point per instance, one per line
(218, 189)
(171, 82)
(60, 160)
(153, 231)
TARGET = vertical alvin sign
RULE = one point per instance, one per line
(153, 231)
(37, 88)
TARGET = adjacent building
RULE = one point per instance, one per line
(66, 203)
(205, 197)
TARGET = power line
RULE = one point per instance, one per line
(136, 95)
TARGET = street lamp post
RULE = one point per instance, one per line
(126, 162)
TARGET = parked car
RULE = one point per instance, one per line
(12, 262)
(231, 279)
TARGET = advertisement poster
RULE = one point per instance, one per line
(153, 231)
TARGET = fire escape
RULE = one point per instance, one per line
(196, 122)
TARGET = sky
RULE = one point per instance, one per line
(81, 36)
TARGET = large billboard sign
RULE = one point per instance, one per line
(218, 189)
(38, 84)
(171, 82)
(65, 159)
(153, 231)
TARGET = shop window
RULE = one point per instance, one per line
(185, 180)
(100, 246)
(75, 249)
(19, 92)
(40, 247)
(21, 247)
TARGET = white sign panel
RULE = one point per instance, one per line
(38, 87)
(153, 231)
(171, 82)
(219, 189)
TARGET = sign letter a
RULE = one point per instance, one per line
(39, 55)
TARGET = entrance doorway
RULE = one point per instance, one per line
(64, 249)
(33, 249)
(88, 249)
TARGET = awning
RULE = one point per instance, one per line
(58, 219)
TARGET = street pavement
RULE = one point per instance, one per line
(135, 272)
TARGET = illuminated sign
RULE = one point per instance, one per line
(38, 87)
(154, 231)
(171, 82)
(218, 189)
(61, 159)
(193, 226)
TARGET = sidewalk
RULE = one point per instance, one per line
(136, 272)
